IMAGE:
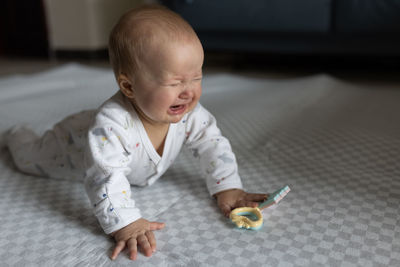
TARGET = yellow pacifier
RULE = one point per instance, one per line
(251, 218)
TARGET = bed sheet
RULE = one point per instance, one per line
(335, 143)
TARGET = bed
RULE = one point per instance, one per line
(335, 143)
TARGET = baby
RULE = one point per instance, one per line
(134, 137)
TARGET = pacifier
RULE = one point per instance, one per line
(246, 217)
(251, 218)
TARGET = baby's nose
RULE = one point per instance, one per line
(187, 93)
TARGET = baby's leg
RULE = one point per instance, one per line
(35, 155)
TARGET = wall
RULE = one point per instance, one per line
(83, 24)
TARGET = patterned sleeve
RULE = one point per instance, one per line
(212, 150)
(108, 156)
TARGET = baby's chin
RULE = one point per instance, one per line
(176, 119)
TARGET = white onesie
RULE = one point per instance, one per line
(117, 153)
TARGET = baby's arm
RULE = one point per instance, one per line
(212, 150)
(218, 162)
(106, 184)
(108, 158)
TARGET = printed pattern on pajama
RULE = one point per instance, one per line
(111, 149)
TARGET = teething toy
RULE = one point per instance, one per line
(246, 217)
(251, 218)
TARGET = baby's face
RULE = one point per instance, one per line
(169, 82)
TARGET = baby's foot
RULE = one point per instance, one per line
(18, 135)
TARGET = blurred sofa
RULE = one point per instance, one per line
(358, 27)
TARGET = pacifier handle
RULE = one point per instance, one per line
(274, 198)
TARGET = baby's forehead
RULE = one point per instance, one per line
(172, 60)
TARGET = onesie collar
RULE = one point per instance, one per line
(148, 146)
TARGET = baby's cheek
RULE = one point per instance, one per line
(153, 109)
(162, 101)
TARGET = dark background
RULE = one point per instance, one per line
(348, 37)
(23, 29)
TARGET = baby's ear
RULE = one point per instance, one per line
(125, 85)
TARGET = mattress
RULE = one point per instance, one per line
(335, 143)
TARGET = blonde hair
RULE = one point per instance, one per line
(138, 29)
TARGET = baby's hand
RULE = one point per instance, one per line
(139, 233)
(235, 198)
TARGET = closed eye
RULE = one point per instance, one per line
(179, 83)
(174, 84)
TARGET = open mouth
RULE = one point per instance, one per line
(177, 109)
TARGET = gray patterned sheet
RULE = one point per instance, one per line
(336, 144)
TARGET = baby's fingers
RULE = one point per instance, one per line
(132, 246)
(156, 226)
(118, 248)
(246, 203)
(256, 197)
(144, 245)
(152, 240)
(226, 209)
